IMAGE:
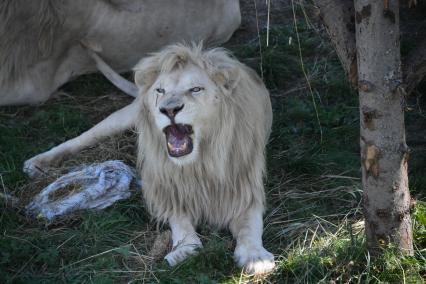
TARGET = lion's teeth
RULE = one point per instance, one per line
(169, 145)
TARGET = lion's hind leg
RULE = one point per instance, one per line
(185, 240)
(249, 252)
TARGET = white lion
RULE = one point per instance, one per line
(204, 120)
(41, 41)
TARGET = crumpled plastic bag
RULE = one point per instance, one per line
(96, 186)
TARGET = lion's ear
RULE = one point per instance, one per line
(146, 72)
(227, 77)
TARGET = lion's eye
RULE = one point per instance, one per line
(160, 90)
(196, 89)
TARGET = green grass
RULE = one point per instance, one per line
(313, 223)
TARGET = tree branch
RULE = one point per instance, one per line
(338, 17)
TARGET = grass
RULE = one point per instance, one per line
(313, 223)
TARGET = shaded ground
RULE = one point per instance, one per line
(313, 222)
(254, 18)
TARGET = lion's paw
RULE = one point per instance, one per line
(254, 260)
(34, 167)
(181, 252)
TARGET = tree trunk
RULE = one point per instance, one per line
(384, 152)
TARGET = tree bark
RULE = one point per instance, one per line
(384, 152)
(338, 17)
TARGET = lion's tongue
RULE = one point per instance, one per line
(179, 143)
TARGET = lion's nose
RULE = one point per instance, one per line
(171, 112)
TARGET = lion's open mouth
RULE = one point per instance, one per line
(179, 141)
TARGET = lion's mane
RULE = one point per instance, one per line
(226, 179)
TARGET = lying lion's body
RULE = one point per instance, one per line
(40, 46)
(225, 180)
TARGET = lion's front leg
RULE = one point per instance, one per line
(116, 123)
(185, 239)
(249, 252)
